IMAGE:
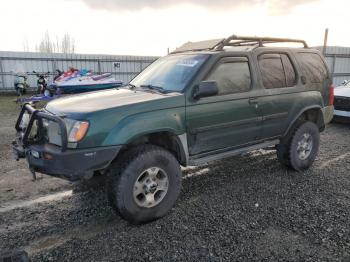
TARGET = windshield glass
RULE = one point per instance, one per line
(171, 73)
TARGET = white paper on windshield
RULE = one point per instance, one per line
(188, 62)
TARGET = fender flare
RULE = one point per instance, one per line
(180, 142)
(302, 112)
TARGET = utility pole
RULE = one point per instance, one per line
(325, 42)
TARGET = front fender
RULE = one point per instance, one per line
(167, 120)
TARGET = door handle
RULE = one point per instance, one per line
(253, 101)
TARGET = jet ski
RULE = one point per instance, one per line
(78, 81)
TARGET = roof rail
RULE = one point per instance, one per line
(233, 40)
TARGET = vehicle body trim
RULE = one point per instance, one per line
(225, 125)
(230, 153)
(275, 116)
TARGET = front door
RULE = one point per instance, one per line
(231, 118)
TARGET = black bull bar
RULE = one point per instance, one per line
(38, 115)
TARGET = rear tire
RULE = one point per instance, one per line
(144, 183)
(298, 150)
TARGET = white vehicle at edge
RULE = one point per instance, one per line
(342, 100)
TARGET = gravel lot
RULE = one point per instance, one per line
(245, 208)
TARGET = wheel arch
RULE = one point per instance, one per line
(175, 144)
(311, 113)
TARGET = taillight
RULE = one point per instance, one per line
(331, 95)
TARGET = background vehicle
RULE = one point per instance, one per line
(58, 73)
(20, 83)
(206, 101)
(42, 83)
(342, 102)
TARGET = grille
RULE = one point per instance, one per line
(342, 103)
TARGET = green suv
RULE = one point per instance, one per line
(205, 101)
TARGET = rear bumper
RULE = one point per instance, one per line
(72, 164)
(328, 113)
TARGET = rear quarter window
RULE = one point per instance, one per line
(313, 67)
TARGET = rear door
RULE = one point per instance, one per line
(280, 87)
(229, 119)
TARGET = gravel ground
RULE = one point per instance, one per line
(246, 208)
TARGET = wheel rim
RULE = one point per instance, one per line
(305, 146)
(151, 187)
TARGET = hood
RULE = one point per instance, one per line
(102, 100)
(342, 91)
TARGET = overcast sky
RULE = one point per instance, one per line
(149, 27)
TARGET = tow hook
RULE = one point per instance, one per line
(33, 173)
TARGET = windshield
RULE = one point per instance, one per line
(170, 73)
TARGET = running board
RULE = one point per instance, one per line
(240, 151)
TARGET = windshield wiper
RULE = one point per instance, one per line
(153, 87)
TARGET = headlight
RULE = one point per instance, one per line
(76, 130)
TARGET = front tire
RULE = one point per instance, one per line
(144, 183)
(300, 148)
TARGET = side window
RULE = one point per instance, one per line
(313, 67)
(291, 77)
(232, 77)
(277, 71)
(272, 71)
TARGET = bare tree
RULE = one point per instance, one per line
(25, 45)
(65, 45)
(46, 45)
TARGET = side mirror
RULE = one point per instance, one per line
(206, 89)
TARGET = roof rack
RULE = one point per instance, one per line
(260, 41)
(199, 46)
(233, 40)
